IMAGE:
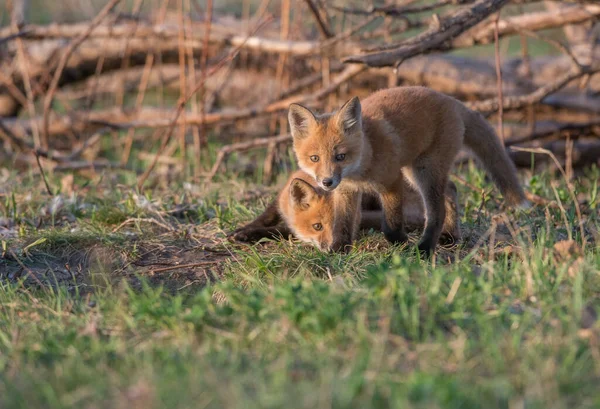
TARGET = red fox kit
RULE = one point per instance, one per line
(305, 210)
(411, 133)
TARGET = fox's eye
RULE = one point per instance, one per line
(314, 158)
(318, 226)
(340, 157)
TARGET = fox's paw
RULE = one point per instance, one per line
(450, 238)
(341, 247)
(426, 248)
(246, 235)
(395, 236)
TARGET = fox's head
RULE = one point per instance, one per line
(312, 215)
(329, 146)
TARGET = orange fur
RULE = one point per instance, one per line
(397, 135)
(302, 204)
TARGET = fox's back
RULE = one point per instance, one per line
(418, 114)
(404, 123)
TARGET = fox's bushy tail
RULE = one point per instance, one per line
(481, 138)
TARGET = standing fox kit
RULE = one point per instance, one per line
(398, 134)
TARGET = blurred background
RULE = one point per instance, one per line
(89, 85)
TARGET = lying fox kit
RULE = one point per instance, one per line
(308, 212)
(411, 133)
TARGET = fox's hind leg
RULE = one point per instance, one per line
(451, 230)
(432, 185)
(393, 216)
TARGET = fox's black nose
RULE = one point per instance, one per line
(327, 182)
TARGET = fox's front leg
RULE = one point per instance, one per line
(393, 217)
(265, 225)
(432, 186)
(346, 219)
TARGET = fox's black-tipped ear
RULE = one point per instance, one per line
(350, 115)
(301, 193)
(300, 119)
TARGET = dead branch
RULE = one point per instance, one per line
(397, 11)
(585, 128)
(323, 28)
(180, 266)
(435, 38)
(516, 102)
(183, 102)
(18, 10)
(534, 21)
(161, 118)
(85, 165)
(63, 62)
(145, 220)
(109, 43)
(11, 37)
(88, 143)
(499, 79)
(245, 146)
(165, 36)
(465, 78)
(583, 154)
(19, 142)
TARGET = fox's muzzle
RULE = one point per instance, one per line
(326, 247)
(329, 183)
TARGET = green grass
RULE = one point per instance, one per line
(507, 319)
(281, 325)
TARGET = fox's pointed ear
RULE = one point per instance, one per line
(350, 115)
(300, 119)
(301, 193)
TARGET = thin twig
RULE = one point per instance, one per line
(400, 11)
(435, 38)
(584, 127)
(91, 141)
(348, 33)
(181, 54)
(555, 43)
(244, 146)
(567, 181)
(37, 159)
(11, 37)
(25, 146)
(534, 21)
(160, 118)
(323, 27)
(142, 85)
(82, 165)
(196, 131)
(145, 220)
(499, 80)
(63, 62)
(182, 103)
(192, 265)
(517, 102)
(203, 64)
(24, 267)
(12, 89)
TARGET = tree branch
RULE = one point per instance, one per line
(517, 102)
(437, 37)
